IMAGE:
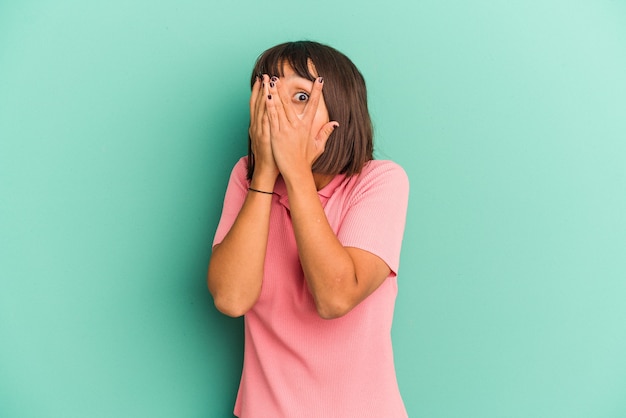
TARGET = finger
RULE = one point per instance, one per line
(265, 125)
(276, 101)
(322, 136)
(272, 117)
(289, 112)
(314, 99)
(254, 96)
(256, 106)
(260, 102)
(263, 132)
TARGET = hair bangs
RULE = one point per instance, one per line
(272, 61)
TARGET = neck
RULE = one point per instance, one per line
(321, 180)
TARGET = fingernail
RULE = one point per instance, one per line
(269, 96)
(271, 84)
(274, 78)
(321, 79)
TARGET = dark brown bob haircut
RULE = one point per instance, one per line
(350, 146)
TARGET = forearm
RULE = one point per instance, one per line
(327, 265)
(236, 267)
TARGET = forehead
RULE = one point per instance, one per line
(277, 62)
(287, 71)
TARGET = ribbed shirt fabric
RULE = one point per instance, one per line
(297, 364)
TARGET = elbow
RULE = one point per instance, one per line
(230, 305)
(233, 305)
(338, 299)
(230, 309)
(332, 309)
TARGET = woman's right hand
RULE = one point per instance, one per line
(265, 168)
(237, 264)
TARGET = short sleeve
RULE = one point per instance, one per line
(376, 212)
(233, 200)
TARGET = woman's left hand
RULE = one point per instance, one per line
(297, 140)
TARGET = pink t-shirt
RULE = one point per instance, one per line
(297, 364)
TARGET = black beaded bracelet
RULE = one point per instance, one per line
(259, 191)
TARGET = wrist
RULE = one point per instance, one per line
(298, 178)
(263, 181)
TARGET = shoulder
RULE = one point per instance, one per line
(241, 166)
(384, 173)
(239, 171)
(378, 167)
(379, 180)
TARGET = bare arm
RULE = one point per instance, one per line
(338, 277)
(236, 267)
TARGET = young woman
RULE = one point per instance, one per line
(308, 245)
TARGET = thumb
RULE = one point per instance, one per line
(324, 134)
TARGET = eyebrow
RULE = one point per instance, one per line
(301, 83)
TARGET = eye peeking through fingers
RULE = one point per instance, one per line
(301, 97)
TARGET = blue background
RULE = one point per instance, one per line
(120, 122)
